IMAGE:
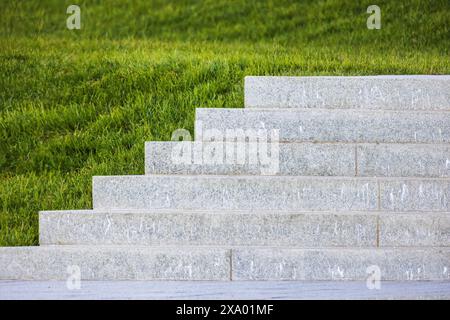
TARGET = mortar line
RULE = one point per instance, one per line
(231, 264)
(356, 160)
(285, 176)
(378, 232)
(324, 110)
(321, 142)
(379, 195)
(331, 142)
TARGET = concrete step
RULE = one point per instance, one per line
(243, 228)
(418, 92)
(309, 125)
(181, 227)
(340, 264)
(403, 160)
(270, 193)
(114, 263)
(234, 158)
(426, 229)
(71, 263)
(304, 159)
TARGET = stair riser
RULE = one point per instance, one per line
(244, 159)
(338, 264)
(405, 230)
(381, 92)
(396, 160)
(114, 263)
(262, 229)
(302, 159)
(270, 193)
(185, 263)
(244, 229)
(324, 126)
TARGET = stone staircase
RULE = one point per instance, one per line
(317, 178)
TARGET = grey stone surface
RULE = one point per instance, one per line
(163, 227)
(410, 160)
(340, 264)
(308, 219)
(308, 125)
(223, 290)
(305, 159)
(234, 193)
(370, 92)
(426, 229)
(415, 195)
(114, 263)
(213, 263)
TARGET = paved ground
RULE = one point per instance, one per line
(222, 290)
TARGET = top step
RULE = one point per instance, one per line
(415, 92)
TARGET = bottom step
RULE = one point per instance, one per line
(216, 263)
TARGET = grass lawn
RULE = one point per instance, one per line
(78, 103)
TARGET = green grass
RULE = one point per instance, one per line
(79, 103)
